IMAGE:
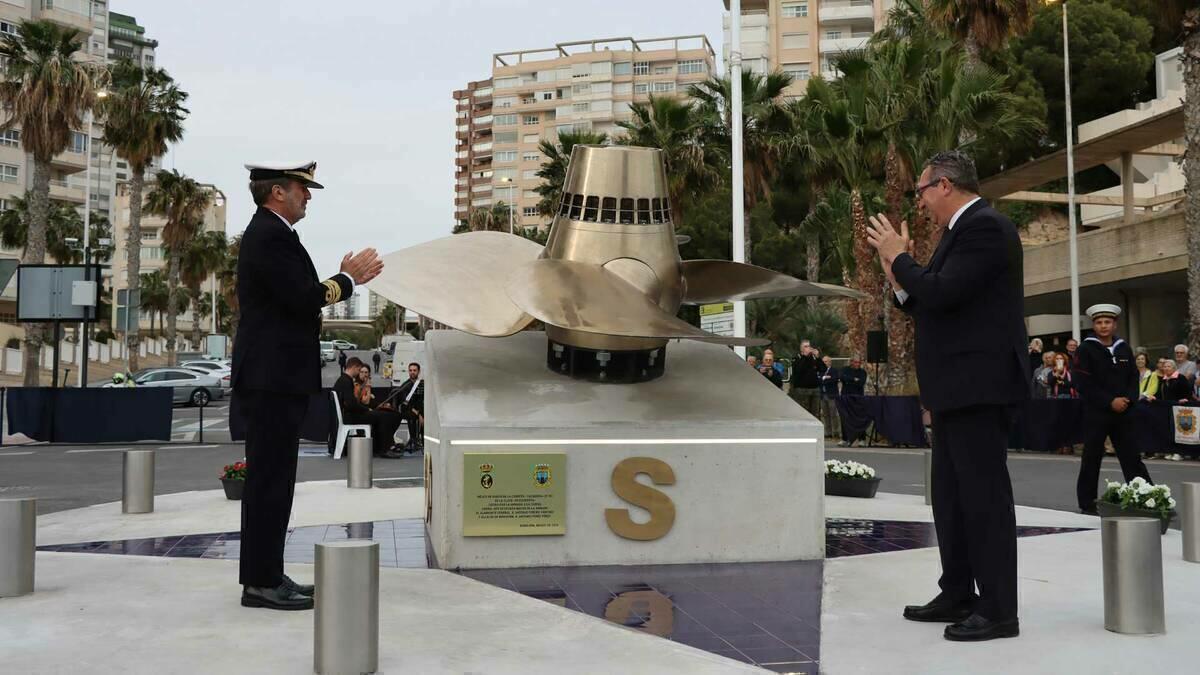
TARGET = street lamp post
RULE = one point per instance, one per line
(739, 215)
(1072, 244)
(510, 203)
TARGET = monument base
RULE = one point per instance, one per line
(527, 468)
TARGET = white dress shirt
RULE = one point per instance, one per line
(902, 295)
(293, 229)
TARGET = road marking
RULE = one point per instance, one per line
(187, 447)
(14, 454)
(71, 452)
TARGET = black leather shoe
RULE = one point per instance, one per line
(940, 611)
(306, 590)
(976, 629)
(280, 597)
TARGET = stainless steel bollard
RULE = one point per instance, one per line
(1189, 517)
(137, 492)
(1133, 575)
(18, 541)
(928, 477)
(358, 469)
(346, 626)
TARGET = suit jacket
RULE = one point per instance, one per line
(277, 346)
(417, 402)
(854, 381)
(353, 410)
(968, 305)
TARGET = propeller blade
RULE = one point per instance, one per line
(458, 281)
(588, 298)
(708, 281)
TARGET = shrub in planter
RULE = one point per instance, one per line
(233, 479)
(850, 479)
(1138, 497)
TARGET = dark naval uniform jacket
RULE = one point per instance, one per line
(277, 347)
(1102, 374)
(968, 308)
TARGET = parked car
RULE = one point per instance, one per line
(344, 345)
(190, 386)
(328, 351)
(217, 369)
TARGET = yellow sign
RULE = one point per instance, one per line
(514, 493)
(718, 308)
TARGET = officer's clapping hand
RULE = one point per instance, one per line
(362, 266)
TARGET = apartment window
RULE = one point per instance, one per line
(549, 95)
(641, 87)
(531, 157)
(622, 68)
(799, 71)
(149, 235)
(151, 253)
(9, 173)
(530, 119)
(531, 194)
(149, 59)
(11, 138)
(602, 69)
(660, 87)
(795, 41)
(503, 194)
(692, 66)
(506, 82)
(529, 174)
(793, 10)
(506, 156)
(531, 138)
(78, 142)
(581, 70)
(581, 89)
(526, 100)
(506, 120)
(622, 87)
(8, 28)
(581, 107)
(486, 91)
(641, 68)
(505, 137)
(833, 35)
(529, 211)
(121, 175)
(662, 70)
(506, 101)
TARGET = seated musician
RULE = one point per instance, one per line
(351, 397)
(411, 396)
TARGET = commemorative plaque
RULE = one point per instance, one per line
(514, 493)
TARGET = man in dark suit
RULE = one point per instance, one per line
(968, 307)
(384, 423)
(411, 396)
(275, 357)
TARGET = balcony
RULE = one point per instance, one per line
(843, 10)
(69, 162)
(73, 13)
(843, 44)
(60, 190)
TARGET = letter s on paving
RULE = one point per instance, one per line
(660, 506)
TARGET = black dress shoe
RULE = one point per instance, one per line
(280, 597)
(940, 611)
(306, 590)
(390, 454)
(977, 628)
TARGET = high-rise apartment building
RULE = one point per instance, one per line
(535, 94)
(800, 37)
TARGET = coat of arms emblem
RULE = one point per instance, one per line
(541, 475)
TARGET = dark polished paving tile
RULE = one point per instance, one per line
(846, 537)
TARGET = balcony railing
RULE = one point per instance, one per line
(842, 10)
(843, 44)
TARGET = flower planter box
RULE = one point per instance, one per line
(851, 487)
(1110, 510)
(233, 488)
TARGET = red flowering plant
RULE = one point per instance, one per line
(235, 471)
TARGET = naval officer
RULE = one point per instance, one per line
(275, 367)
(1106, 376)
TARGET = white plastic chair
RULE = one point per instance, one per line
(343, 429)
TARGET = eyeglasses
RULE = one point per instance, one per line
(921, 189)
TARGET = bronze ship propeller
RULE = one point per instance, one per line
(607, 285)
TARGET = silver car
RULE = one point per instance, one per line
(190, 386)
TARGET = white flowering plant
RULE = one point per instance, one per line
(848, 470)
(1140, 493)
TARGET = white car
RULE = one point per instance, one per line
(328, 351)
(343, 345)
(222, 372)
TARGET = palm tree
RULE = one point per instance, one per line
(553, 171)
(766, 126)
(64, 223)
(981, 24)
(45, 92)
(674, 127)
(227, 279)
(182, 201)
(203, 256)
(154, 296)
(142, 115)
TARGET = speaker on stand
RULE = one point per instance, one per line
(877, 353)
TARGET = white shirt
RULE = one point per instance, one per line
(902, 295)
(293, 229)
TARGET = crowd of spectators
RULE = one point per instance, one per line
(814, 382)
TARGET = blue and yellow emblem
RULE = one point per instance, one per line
(1185, 420)
(541, 475)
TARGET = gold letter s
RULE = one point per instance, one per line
(660, 506)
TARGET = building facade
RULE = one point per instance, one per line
(534, 95)
(800, 37)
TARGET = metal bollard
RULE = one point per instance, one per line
(358, 469)
(346, 626)
(137, 492)
(1189, 517)
(928, 477)
(18, 541)
(1133, 575)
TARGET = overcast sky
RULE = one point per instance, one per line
(363, 88)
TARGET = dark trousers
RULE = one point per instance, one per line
(1098, 426)
(384, 424)
(973, 509)
(272, 447)
(415, 439)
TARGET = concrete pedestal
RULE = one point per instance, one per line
(747, 462)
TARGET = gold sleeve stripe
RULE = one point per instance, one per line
(333, 291)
